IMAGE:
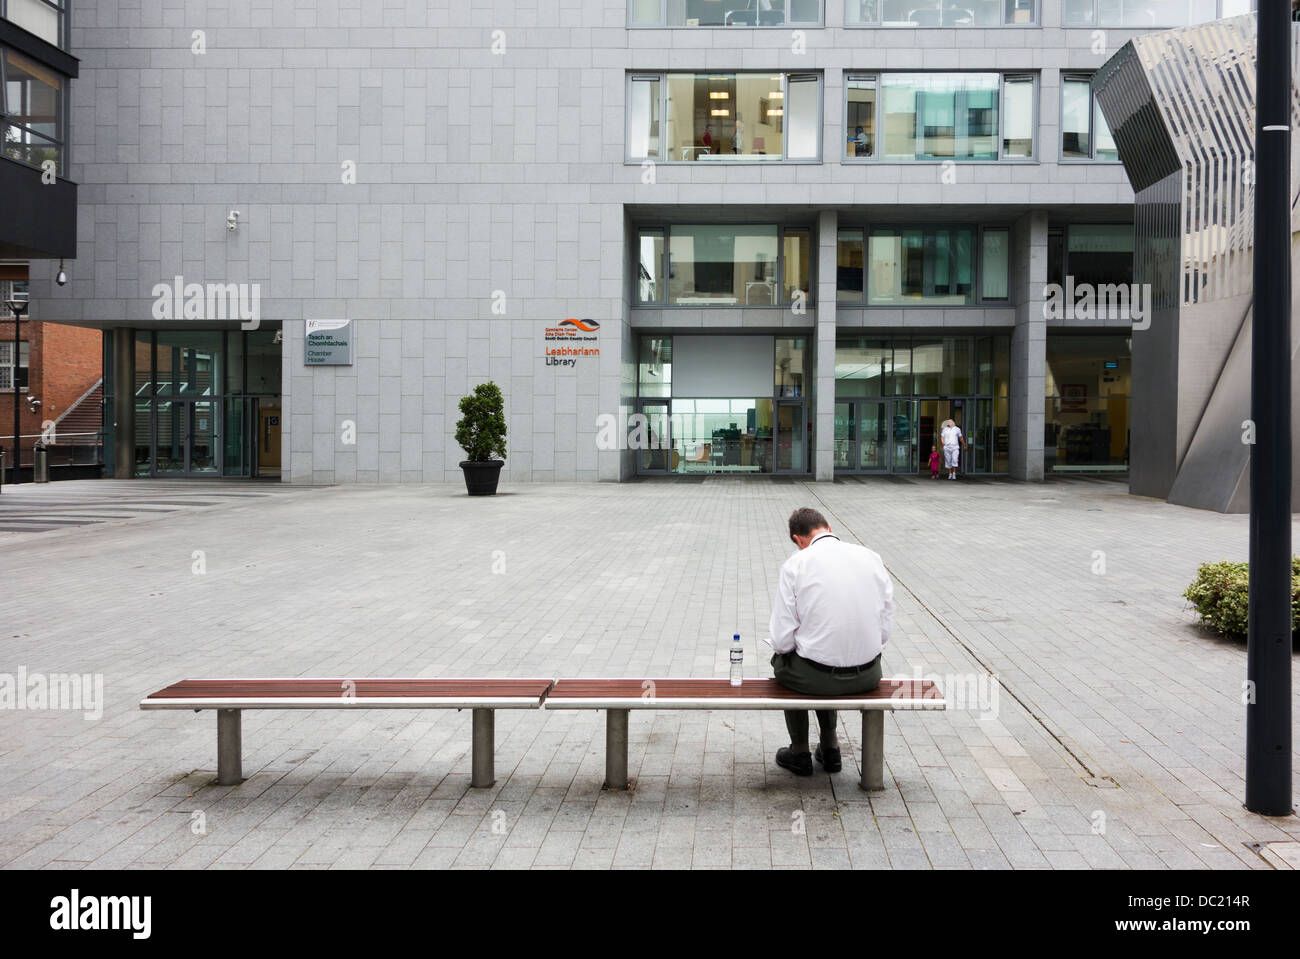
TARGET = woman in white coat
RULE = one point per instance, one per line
(953, 443)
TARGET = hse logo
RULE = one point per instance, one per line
(560, 351)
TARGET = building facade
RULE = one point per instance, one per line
(683, 236)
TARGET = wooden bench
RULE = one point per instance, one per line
(230, 697)
(618, 696)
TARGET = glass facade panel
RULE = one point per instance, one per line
(887, 421)
(1106, 149)
(938, 116)
(1018, 123)
(804, 126)
(933, 265)
(643, 117)
(1076, 104)
(723, 265)
(1088, 385)
(650, 244)
(791, 366)
(711, 13)
(655, 366)
(32, 106)
(994, 263)
(938, 13)
(1099, 253)
(849, 275)
(796, 265)
(726, 116)
(860, 117)
(35, 16)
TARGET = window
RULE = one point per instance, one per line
(724, 117)
(1084, 134)
(44, 18)
(940, 116)
(7, 363)
(931, 265)
(1099, 254)
(1087, 390)
(940, 13)
(849, 277)
(733, 13)
(995, 246)
(731, 265)
(31, 110)
(1142, 14)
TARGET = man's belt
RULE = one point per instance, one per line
(841, 669)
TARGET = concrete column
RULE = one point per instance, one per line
(122, 415)
(824, 350)
(1028, 345)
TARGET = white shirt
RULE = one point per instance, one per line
(951, 434)
(834, 604)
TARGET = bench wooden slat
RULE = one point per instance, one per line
(360, 689)
(720, 694)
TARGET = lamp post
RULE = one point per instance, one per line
(18, 307)
(1268, 649)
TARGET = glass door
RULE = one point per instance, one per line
(654, 439)
(186, 437)
(902, 437)
(846, 436)
(791, 439)
(873, 435)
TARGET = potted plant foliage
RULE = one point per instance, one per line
(481, 433)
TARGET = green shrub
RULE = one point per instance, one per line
(482, 430)
(1221, 595)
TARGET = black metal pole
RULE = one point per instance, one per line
(1268, 653)
(13, 475)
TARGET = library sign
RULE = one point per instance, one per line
(328, 343)
(570, 340)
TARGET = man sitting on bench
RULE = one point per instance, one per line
(831, 618)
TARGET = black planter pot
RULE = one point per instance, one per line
(481, 477)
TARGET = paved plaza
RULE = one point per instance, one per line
(1092, 724)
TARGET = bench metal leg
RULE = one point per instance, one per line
(484, 773)
(230, 763)
(616, 749)
(873, 749)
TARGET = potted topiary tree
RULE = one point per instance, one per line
(481, 433)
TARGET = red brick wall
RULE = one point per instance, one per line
(65, 361)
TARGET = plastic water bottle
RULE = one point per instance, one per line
(737, 659)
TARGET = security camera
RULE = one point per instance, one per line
(232, 221)
(61, 277)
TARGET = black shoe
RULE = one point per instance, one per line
(798, 763)
(829, 758)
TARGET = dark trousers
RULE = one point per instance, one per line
(794, 672)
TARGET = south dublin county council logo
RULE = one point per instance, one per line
(565, 341)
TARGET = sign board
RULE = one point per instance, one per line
(328, 343)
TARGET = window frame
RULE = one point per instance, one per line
(665, 230)
(1035, 20)
(61, 102)
(24, 363)
(61, 9)
(1094, 24)
(799, 76)
(1077, 76)
(1034, 76)
(978, 300)
(663, 24)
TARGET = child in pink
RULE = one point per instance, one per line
(934, 462)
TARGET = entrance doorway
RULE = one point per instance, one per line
(894, 435)
(268, 440)
(187, 438)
